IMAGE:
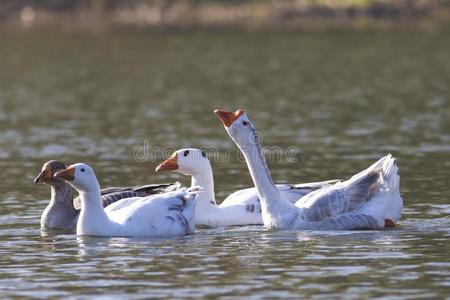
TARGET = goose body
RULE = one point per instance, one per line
(369, 200)
(242, 207)
(63, 210)
(162, 215)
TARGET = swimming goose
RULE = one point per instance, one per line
(241, 207)
(162, 215)
(63, 210)
(369, 200)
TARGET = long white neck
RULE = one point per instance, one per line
(273, 205)
(204, 178)
(92, 218)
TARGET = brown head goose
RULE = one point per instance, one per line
(63, 210)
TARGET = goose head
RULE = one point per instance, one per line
(48, 170)
(238, 126)
(80, 176)
(188, 161)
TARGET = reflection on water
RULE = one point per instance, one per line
(343, 99)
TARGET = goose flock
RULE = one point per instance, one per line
(368, 200)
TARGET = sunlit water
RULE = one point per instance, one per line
(340, 101)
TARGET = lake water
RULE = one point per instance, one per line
(121, 102)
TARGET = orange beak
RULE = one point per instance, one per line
(66, 174)
(169, 164)
(228, 117)
(44, 176)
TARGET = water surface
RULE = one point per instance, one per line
(340, 100)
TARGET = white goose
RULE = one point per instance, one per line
(62, 211)
(161, 215)
(369, 200)
(241, 207)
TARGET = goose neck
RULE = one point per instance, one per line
(62, 194)
(91, 200)
(274, 207)
(205, 179)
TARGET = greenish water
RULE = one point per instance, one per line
(340, 100)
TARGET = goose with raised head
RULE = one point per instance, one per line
(369, 200)
(242, 207)
(162, 215)
(63, 210)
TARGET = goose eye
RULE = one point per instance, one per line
(82, 169)
(203, 154)
(185, 153)
(245, 123)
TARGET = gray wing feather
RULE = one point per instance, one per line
(344, 222)
(143, 190)
(176, 206)
(315, 185)
(333, 202)
(113, 197)
(114, 194)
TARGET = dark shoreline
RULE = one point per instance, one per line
(183, 16)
